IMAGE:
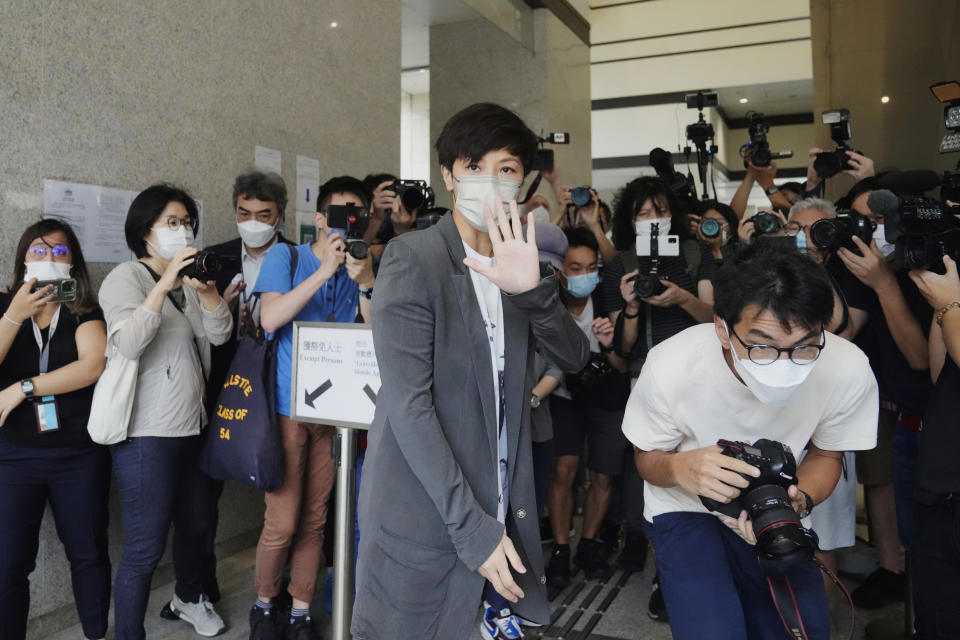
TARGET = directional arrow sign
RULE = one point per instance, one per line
(310, 397)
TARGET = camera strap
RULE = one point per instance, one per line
(785, 602)
(533, 188)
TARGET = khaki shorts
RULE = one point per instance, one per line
(875, 467)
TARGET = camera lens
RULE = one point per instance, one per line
(761, 157)
(780, 536)
(412, 199)
(580, 196)
(710, 228)
(827, 164)
(825, 234)
(358, 249)
(765, 223)
(648, 285)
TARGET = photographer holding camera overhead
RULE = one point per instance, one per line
(163, 311)
(328, 280)
(765, 372)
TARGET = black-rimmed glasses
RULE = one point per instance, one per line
(768, 354)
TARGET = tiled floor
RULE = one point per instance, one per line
(613, 617)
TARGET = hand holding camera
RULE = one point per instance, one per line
(173, 275)
(871, 268)
(939, 290)
(672, 295)
(27, 303)
(334, 255)
(860, 165)
(360, 270)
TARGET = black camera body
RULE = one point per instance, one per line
(923, 230)
(835, 233)
(414, 194)
(759, 146)
(782, 541)
(829, 163)
(765, 223)
(207, 265)
(681, 185)
(426, 218)
(354, 221)
(543, 160)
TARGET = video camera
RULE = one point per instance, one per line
(207, 265)
(414, 194)
(682, 186)
(782, 540)
(354, 221)
(701, 132)
(835, 233)
(923, 229)
(543, 161)
(829, 163)
(757, 150)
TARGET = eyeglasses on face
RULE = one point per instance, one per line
(41, 251)
(768, 354)
(173, 222)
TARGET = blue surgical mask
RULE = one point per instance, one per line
(583, 285)
(802, 242)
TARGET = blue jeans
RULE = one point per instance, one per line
(713, 586)
(159, 483)
(75, 481)
(904, 472)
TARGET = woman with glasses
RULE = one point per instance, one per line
(51, 352)
(166, 321)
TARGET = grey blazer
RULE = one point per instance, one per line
(428, 497)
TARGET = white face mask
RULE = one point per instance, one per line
(46, 270)
(645, 227)
(474, 193)
(772, 384)
(256, 234)
(880, 238)
(171, 240)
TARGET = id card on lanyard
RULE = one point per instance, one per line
(45, 408)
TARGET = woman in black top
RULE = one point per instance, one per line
(52, 355)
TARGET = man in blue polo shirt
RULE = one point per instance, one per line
(326, 285)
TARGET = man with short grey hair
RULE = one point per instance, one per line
(802, 217)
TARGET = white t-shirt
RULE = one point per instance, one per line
(687, 397)
(491, 308)
(584, 321)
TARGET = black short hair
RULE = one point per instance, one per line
(374, 180)
(861, 187)
(795, 187)
(483, 127)
(733, 220)
(258, 185)
(794, 288)
(342, 184)
(628, 202)
(581, 237)
(147, 207)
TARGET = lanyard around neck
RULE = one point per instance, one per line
(45, 347)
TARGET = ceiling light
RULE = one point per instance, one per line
(334, 24)
(744, 101)
(885, 99)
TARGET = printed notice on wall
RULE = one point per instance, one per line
(308, 181)
(335, 378)
(267, 159)
(97, 215)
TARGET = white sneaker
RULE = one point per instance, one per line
(201, 615)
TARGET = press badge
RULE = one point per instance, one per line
(48, 417)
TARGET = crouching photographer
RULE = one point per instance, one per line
(935, 552)
(764, 372)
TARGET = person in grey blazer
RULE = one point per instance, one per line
(447, 506)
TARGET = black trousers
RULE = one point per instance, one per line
(935, 556)
(75, 481)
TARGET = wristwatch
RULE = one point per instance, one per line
(808, 504)
(772, 189)
(26, 386)
(535, 401)
(367, 293)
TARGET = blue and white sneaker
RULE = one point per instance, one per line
(499, 625)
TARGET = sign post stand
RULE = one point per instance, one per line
(335, 381)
